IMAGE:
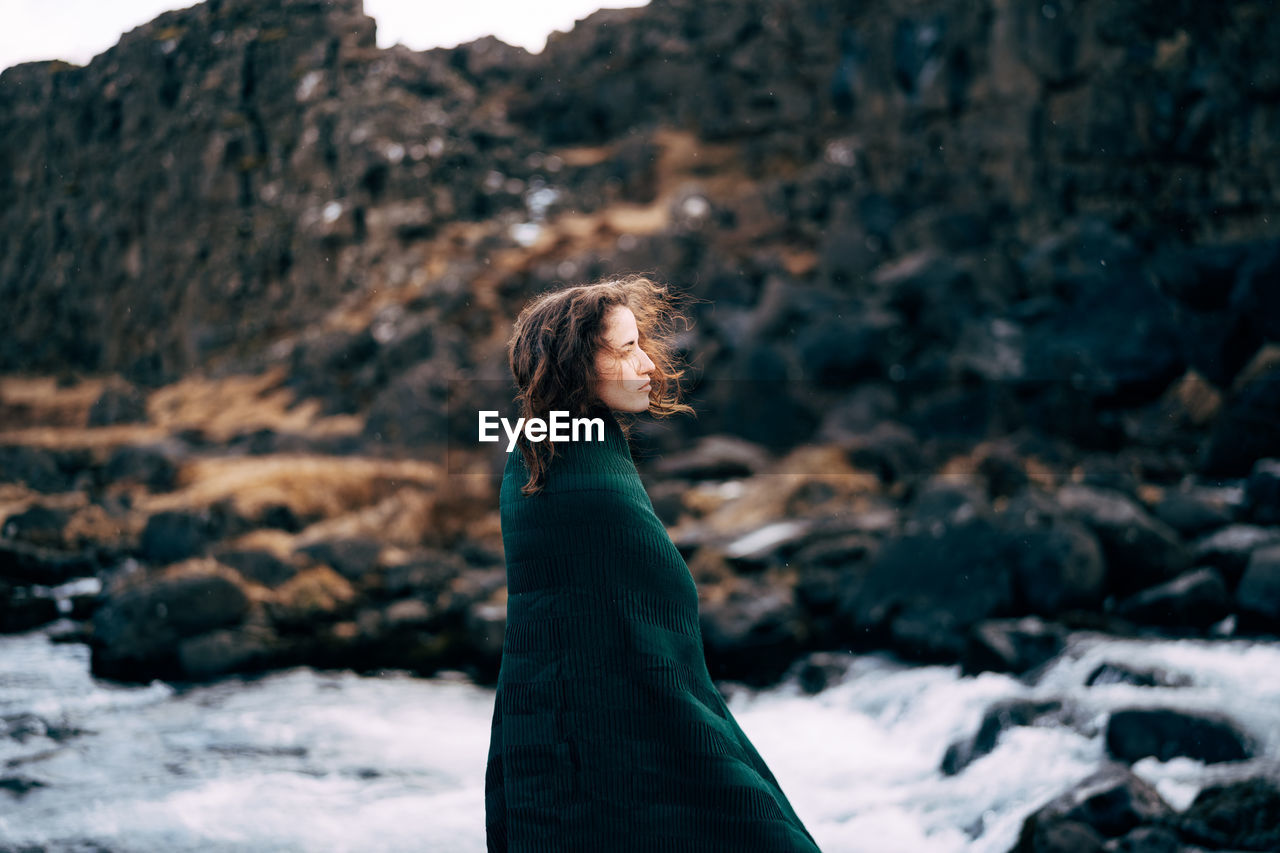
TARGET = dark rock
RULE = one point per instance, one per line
(1264, 492)
(412, 410)
(1248, 427)
(772, 412)
(857, 414)
(1136, 733)
(1218, 345)
(42, 470)
(1258, 596)
(1197, 511)
(404, 340)
(351, 558)
(817, 671)
(173, 535)
(19, 787)
(258, 566)
(927, 290)
(315, 596)
(840, 352)
(118, 405)
(838, 551)
(1140, 551)
(424, 575)
(1195, 600)
(1228, 550)
(325, 367)
(1201, 277)
(998, 719)
(1011, 645)
(1094, 352)
(1237, 816)
(716, 457)
(1058, 567)
(153, 465)
(224, 651)
(1120, 673)
(486, 623)
(889, 450)
(1146, 839)
(1002, 471)
(753, 634)
(1255, 295)
(1109, 803)
(38, 525)
(924, 592)
(23, 608)
(943, 501)
(31, 564)
(136, 632)
(1063, 836)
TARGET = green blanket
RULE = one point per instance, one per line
(608, 733)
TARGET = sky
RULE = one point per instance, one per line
(78, 30)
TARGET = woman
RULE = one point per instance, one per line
(608, 733)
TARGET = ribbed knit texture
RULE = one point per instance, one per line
(608, 733)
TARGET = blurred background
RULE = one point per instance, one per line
(983, 491)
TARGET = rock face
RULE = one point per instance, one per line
(314, 163)
(249, 144)
(1002, 256)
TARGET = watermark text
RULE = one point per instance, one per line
(559, 427)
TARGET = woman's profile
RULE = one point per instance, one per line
(608, 733)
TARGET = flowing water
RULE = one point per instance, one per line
(306, 760)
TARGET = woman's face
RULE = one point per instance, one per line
(622, 383)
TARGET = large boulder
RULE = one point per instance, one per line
(924, 591)
(1193, 601)
(1140, 550)
(1059, 567)
(1108, 804)
(138, 628)
(998, 719)
(1135, 733)
(753, 633)
(1241, 815)
(1015, 646)
(1248, 428)
(1258, 596)
(1263, 491)
(1229, 549)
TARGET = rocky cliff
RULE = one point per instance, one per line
(993, 286)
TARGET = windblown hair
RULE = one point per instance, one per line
(553, 347)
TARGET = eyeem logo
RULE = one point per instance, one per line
(559, 428)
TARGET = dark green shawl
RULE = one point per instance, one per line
(608, 733)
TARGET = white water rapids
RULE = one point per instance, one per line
(305, 760)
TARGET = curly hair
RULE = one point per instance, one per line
(556, 339)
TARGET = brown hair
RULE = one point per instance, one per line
(553, 347)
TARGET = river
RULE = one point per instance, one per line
(307, 760)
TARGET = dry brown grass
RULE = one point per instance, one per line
(775, 494)
(38, 413)
(41, 401)
(235, 404)
(323, 486)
